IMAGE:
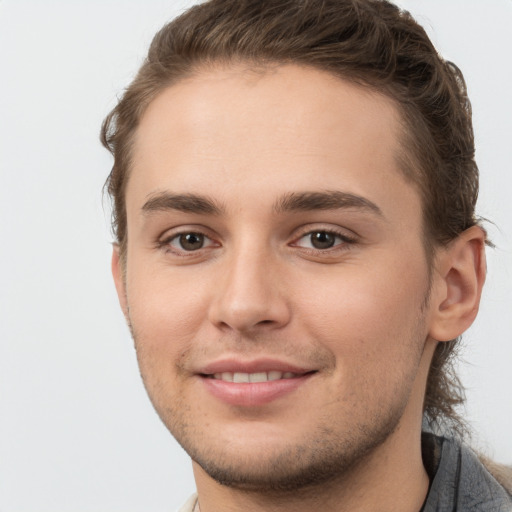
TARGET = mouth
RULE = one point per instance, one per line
(242, 377)
(255, 383)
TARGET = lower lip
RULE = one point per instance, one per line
(251, 394)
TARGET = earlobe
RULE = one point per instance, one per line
(119, 279)
(460, 277)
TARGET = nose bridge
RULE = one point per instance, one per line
(249, 294)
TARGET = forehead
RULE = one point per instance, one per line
(233, 129)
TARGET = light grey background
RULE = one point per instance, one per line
(77, 432)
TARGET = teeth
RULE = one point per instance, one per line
(258, 377)
(239, 377)
(273, 375)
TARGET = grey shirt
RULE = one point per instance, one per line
(459, 481)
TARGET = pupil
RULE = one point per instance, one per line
(322, 240)
(191, 241)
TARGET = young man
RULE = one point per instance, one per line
(297, 253)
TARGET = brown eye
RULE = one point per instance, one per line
(322, 239)
(188, 242)
(191, 241)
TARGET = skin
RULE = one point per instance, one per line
(361, 316)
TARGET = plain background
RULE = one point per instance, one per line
(77, 432)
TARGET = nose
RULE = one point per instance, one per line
(250, 295)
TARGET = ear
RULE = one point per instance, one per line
(119, 278)
(458, 280)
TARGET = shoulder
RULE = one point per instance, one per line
(462, 481)
(501, 472)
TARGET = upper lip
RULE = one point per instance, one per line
(253, 366)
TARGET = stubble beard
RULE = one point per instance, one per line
(325, 456)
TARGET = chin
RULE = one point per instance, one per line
(289, 465)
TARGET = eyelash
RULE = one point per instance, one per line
(165, 243)
(344, 241)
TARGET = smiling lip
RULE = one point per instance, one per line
(252, 383)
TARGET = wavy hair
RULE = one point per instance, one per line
(369, 42)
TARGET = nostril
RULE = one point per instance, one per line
(237, 309)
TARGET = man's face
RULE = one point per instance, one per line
(272, 239)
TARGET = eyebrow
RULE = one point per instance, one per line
(291, 202)
(328, 200)
(188, 203)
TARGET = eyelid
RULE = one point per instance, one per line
(164, 240)
(344, 233)
(178, 235)
(183, 229)
(346, 236)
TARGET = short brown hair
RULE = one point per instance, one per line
(368, 42)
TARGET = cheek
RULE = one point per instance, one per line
(165, 313)
(366, 315)
(165, 321)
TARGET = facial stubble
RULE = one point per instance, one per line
(322, 456)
